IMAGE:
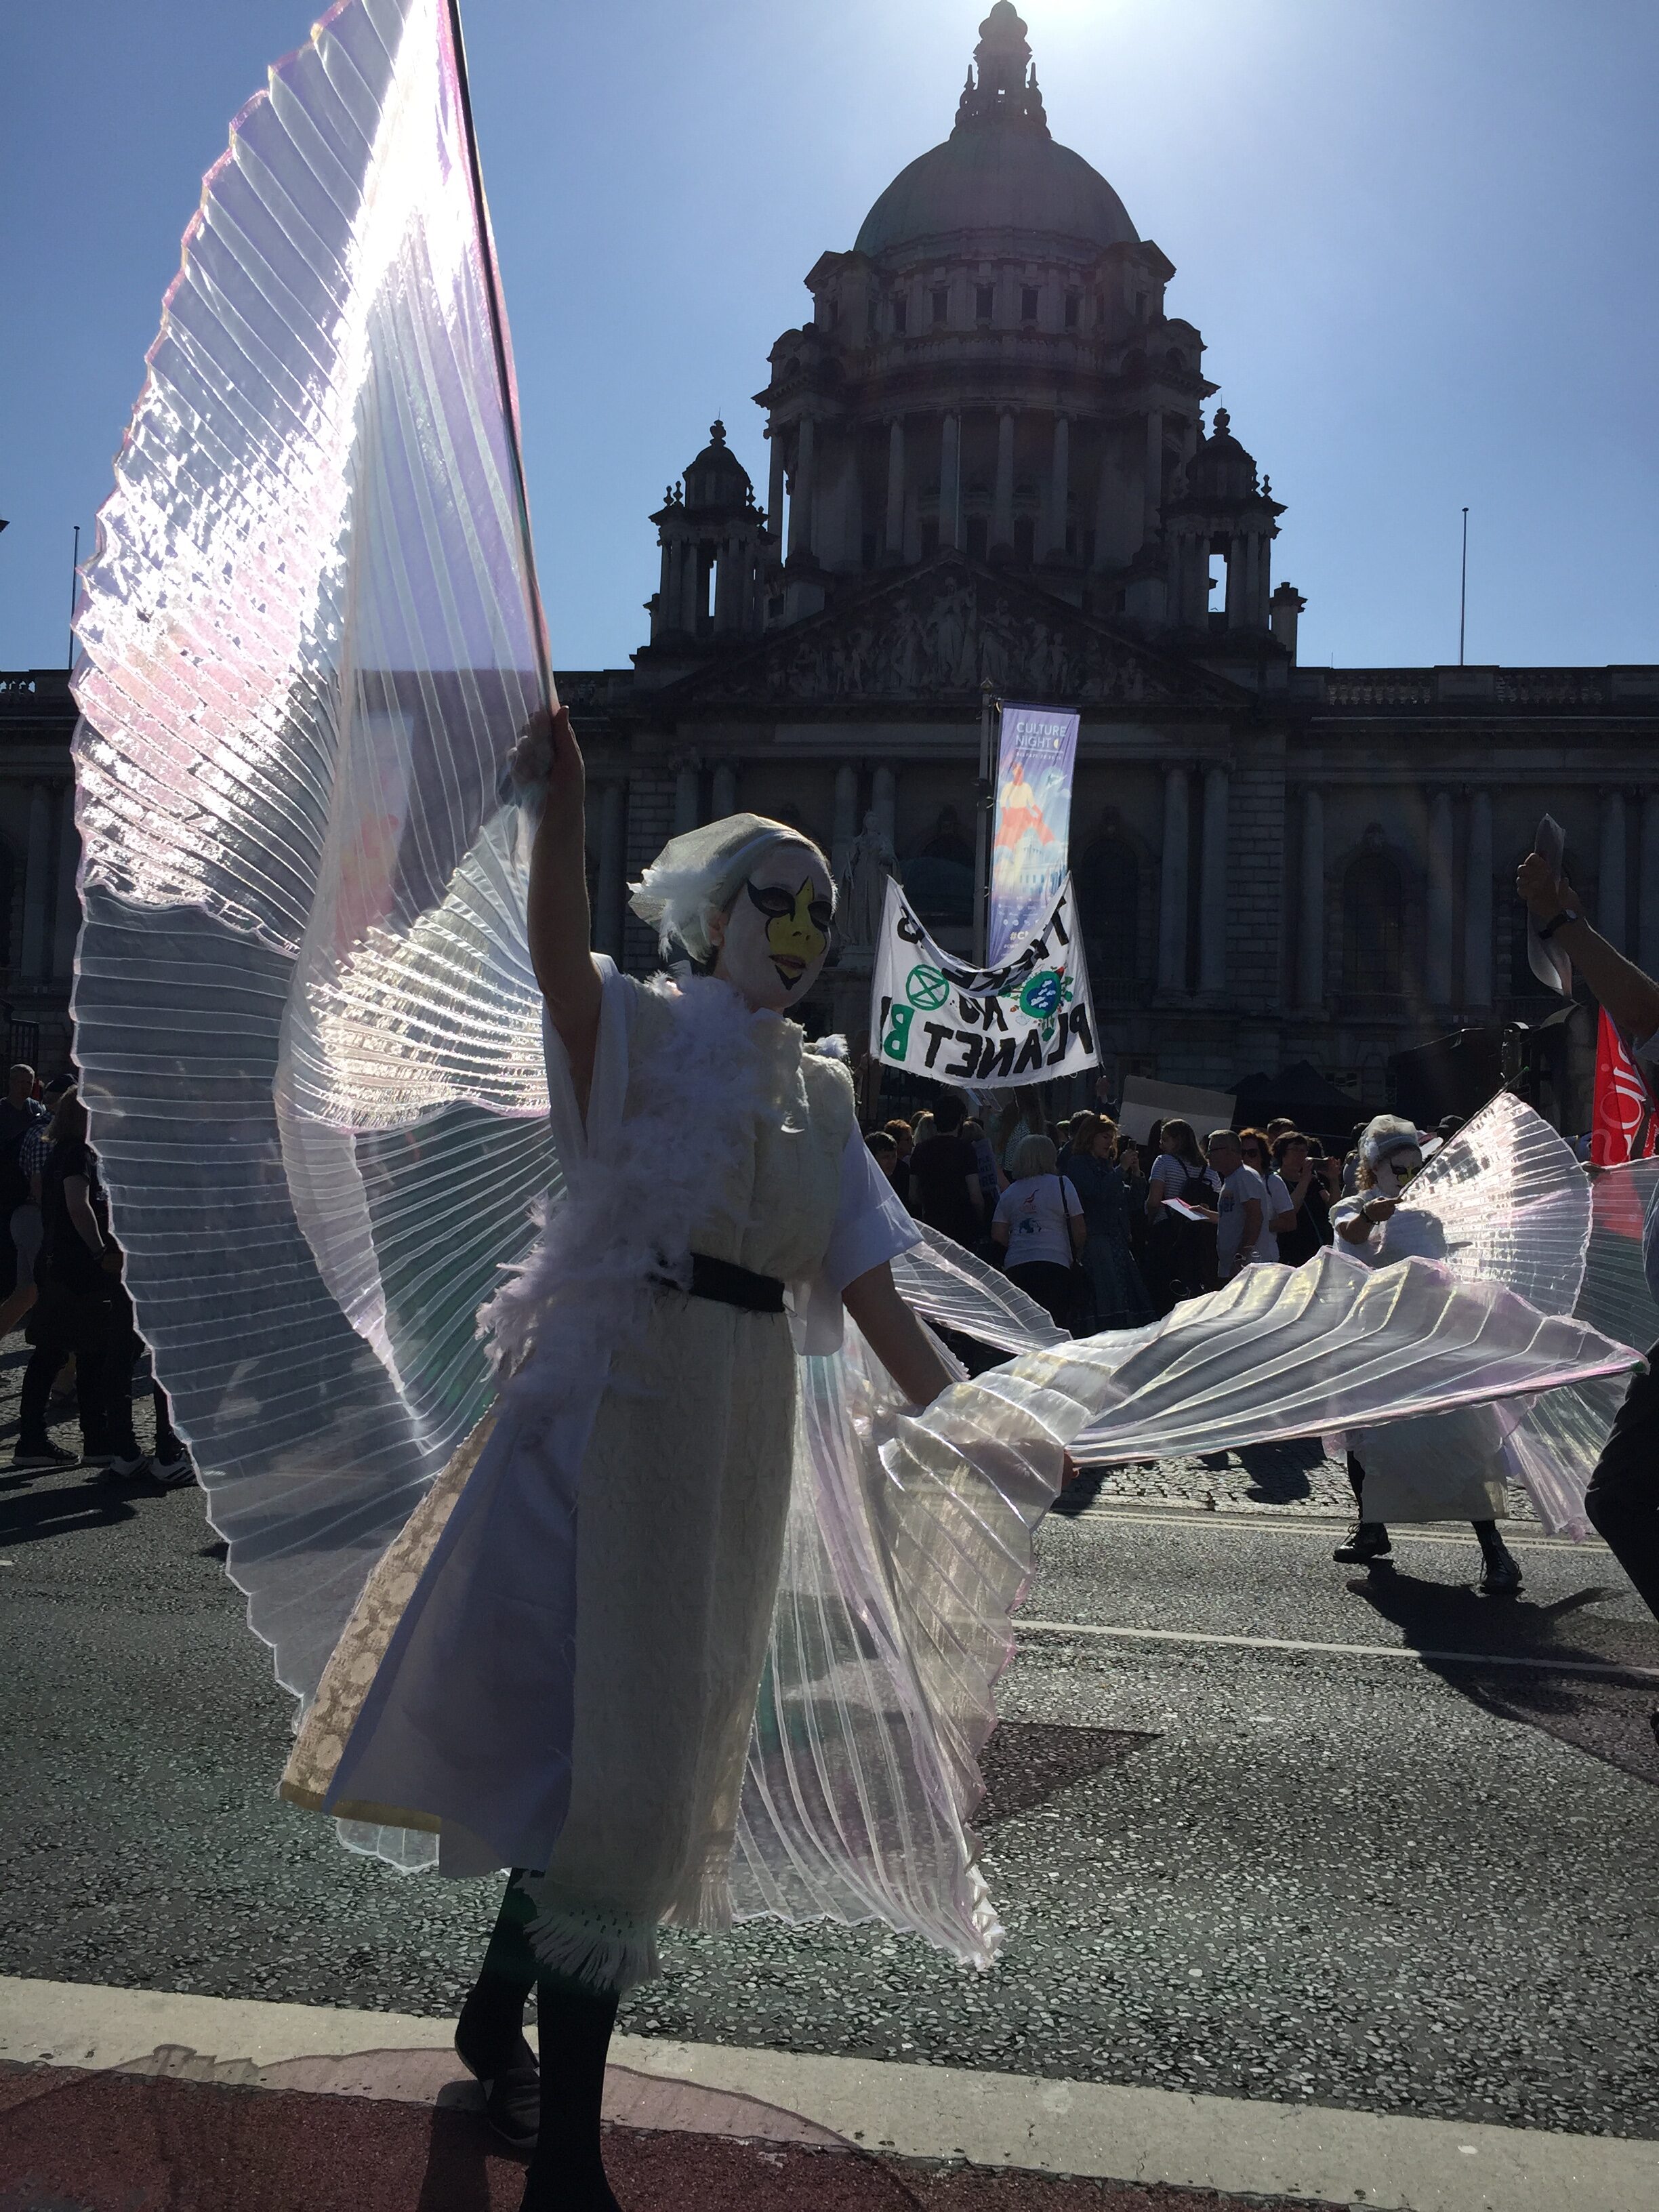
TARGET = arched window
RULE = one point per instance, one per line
(1107, 880)
(1373, 928)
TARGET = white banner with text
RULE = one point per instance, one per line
(1027, 1021)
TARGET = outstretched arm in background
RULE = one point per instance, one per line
(1630, 998)
(560, 928)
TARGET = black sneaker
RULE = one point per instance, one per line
(173, 1471)
(512, 2092)
(1365, 1543)
(43, 1455)
(1502, 1576)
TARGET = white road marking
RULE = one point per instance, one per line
(1542, 1664)
(1311, 1524)
(1100, 2130)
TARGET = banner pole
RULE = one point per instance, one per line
(989, 703)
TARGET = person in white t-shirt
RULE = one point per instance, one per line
(1242, 1209)
(1038, 1228)
(1279, 1215)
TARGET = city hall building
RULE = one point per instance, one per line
(995, 469)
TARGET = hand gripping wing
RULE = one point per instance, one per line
(305, 1014)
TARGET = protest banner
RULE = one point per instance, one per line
(982, 1028)
(1036, 752)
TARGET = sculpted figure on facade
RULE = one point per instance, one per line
(863, 885)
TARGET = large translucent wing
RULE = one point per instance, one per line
(950, 1285)
(909, 1541)
(1555, 1448)
(1512, 1203)
(305, 1013)
(1298, 1351)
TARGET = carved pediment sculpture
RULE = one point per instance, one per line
(939, 633)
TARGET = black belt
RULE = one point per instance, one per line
(728, 1284)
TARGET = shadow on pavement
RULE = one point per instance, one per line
(1608, 1718)
(27, 1515)
(1278, 1473)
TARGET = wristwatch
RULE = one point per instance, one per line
(1558, 921)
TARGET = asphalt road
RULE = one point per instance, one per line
(1349, 1876)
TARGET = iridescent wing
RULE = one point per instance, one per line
(305, 1014)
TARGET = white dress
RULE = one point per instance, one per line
(557, 1668)
(1443, 1467)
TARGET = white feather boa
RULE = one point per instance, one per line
(626, 1217)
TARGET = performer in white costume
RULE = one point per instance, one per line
(691, 1605)
(720, 1193)
(1450, 1468)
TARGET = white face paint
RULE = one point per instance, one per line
(772, 944)
(1394, 1172)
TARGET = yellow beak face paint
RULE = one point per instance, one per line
(777, 934)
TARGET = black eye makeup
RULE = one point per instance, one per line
(772, 899)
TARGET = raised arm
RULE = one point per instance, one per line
(1630, 998)
(560, 926)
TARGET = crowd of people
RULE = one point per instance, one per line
(1105, 1231)
(69, 1294)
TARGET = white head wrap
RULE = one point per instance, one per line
(699, 873)
(1385, 1136)
(1386, 1133)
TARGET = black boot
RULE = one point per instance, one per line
(490, 2039)
(1501, 1573)
(568, 2172)
(1365, 1545)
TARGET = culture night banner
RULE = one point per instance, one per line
(1036, 752)
(983, 1029)
(1621, 1102)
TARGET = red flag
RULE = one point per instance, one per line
(1622, 1101)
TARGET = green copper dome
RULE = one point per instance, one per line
(999, 169)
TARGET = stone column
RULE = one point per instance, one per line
(1437, 952)
(685, 800)
(36, 915)
(1476, 907)
(1002, 501)
(775, 491)
(950, 481)
(1610, 898)
(608, 891)
(725, 794)
(1648, 886)
(847, 817)
(1172, 884)
(667, 605)
(690, 586)
(66, 926)
(1152, 493)
(893, 548)
(883, 800)
(1060, 487)
(725, 591)
(1310, 931)
(1213, 895)
(800, 495)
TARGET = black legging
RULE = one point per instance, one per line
(1622, 1502)
(1054, 1287)
(89, 1324)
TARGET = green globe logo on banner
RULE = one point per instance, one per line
(927, 988)
(1042, 995)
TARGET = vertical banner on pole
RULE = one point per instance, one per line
(1034, 761)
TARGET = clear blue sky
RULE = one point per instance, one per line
(1417, 236)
